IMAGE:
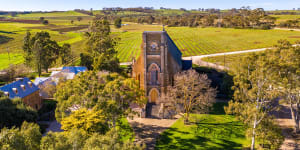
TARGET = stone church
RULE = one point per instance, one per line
(159, 61)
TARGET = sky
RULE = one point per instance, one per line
(50, 5)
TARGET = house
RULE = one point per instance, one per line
(159, 61)
(67, 73)
(23, 88)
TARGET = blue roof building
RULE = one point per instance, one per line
(21, 88)
(74, 69)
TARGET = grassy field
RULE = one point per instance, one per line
(12, 58)
(11, 39)
(230, 60)
(51, 14)
(213, 131)
(282, 18)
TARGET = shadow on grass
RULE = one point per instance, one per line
(4, 39)
(218, 108)
(169, 141)
(7, 32)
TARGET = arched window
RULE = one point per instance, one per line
(154, 74)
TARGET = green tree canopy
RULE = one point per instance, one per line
(28, 137)
(118, 23)
(40, 52)
(14, 112)
(110, 93)
(101, 46)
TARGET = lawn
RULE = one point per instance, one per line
(213, 131)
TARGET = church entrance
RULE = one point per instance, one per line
(153, 95)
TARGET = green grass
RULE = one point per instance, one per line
(231, 61)
(206, 131)
(12, 58)
(282, 18)
(12, 35)
(51, 14)
(209, 132)
(191, 41)
(126, 131)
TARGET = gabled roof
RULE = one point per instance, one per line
(21, 93)
(74, 69)
(40, 80)
(173, 49)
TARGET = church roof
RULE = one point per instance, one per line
(173, 49)
(21, 88)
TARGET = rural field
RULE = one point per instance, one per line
(191, 41)
(282, 18)
(229, 61)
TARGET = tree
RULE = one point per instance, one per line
(117, 96)
(110, 93)
(151, 20)
(40, 52)
(26, 138)
(269, 134)
(27, 48)
(42, 19)
(65, 53)
(192, 90)
(111, 140)
(45, 22)
(72, 21)
(118, 23)
(32, 135)
(285, 61)
(79, 18)
(86, 60)
(102, 47)
(90, 121)
(14, 112)
(254, 95)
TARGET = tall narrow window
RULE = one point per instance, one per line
(154, 72)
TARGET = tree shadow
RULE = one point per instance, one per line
(4, 39)
(168, 141)
(221, 80)
(6, 32)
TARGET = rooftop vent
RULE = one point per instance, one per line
(15, 90)
(6, 94)
(29, 83)
(23, 86)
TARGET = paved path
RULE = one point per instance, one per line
(287, 29)
(148, 130)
